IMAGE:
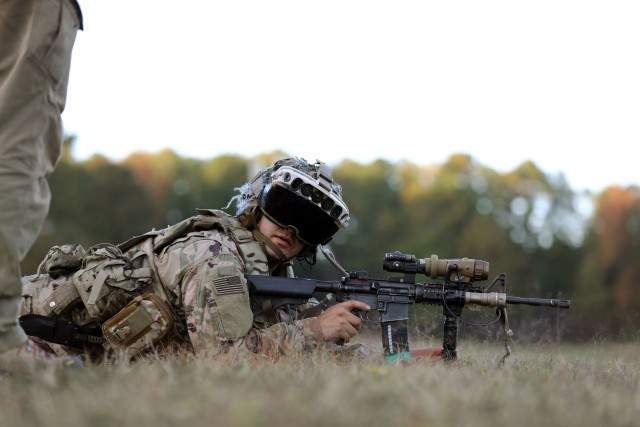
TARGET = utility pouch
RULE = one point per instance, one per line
(61, 260)
(109, 279)
(138, 326)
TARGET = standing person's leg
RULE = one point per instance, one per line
(37, 37)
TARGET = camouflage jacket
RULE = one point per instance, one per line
(196, 267)
(194, 271)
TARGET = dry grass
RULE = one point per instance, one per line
(595, 384)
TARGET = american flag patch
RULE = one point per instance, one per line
(228, 285)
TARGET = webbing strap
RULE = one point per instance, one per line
(316, 310)
(139, 273)
(241, 234)
(97, 287)
(269, 312)
(59, 331)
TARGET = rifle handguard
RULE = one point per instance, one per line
(491, 299)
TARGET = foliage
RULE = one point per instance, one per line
(609, 273)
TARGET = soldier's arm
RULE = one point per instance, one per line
(207, 277)
(281, 339)
(336, 323)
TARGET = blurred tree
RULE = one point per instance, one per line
(609, 285)
(93, 201)
(156, 172)
(220, 177)
(374, 205)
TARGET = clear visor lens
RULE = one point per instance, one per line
(313, 225)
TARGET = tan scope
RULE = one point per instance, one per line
(471, 269)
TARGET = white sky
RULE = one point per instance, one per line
(553, 81)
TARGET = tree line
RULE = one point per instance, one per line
(550, 240)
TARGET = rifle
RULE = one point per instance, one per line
(391, 297)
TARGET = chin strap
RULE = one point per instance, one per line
(263, 241)
(276, 254)
(278, 260)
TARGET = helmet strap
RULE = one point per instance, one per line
(263, 241)
(250, 217)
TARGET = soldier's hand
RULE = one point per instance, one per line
(339, 323)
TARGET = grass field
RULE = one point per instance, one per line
(590, 384)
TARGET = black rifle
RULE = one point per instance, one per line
(391, 297)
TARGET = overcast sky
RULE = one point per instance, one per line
(555, 82)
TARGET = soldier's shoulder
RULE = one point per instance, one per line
(207, 224)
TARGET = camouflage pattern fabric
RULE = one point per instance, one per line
(201, 276)
(191, 269)
(143, 322)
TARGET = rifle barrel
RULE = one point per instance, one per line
(553, 302)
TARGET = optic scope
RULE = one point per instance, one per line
(462, 269)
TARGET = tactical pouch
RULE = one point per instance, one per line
(137, 327)
(109, 279)
(61, 260)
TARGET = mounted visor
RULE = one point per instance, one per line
(294, 199)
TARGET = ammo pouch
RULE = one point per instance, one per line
(137, 327)
(56, 293)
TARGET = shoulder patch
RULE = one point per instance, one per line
(228, 285)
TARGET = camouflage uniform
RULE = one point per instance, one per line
(196, 267)
(190, 269)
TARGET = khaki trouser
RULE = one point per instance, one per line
(36, 39)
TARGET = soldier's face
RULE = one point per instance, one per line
(284, 237)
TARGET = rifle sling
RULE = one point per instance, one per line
(267, 309)
(316, 310)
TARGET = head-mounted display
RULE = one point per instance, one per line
(295, 199)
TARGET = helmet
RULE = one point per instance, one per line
(293, 193)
